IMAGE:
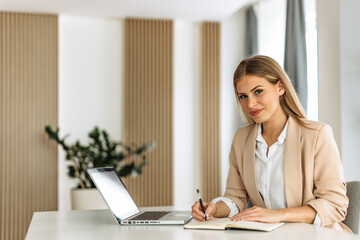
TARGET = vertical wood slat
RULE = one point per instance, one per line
(210, 113)
(148, 106)
(28, 102)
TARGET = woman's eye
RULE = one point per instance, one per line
(242, 96)
(258, 91)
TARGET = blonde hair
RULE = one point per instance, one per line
(268, 68)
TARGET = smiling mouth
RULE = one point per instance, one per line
(255, 112)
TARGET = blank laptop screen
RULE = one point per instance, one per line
(114, 192)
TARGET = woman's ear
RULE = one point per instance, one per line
(280, 87)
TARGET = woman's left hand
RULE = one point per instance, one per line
(259, 214)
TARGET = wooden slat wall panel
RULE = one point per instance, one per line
(28, 101)
(148, 106)
(210, 110)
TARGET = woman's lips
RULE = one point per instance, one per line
(255, 112)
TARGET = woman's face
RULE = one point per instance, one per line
(259, 98)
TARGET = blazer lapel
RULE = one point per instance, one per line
(292, 165)
(250, 169)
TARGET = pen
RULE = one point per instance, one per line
(201, 203)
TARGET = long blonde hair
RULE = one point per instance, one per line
(268, 68)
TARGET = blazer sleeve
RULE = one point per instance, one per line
(330, 200)
(235, 189)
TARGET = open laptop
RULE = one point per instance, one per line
(123, 206)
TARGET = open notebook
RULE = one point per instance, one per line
(224, 223)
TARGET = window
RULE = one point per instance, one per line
(271, 32)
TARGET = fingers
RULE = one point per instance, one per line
(258, 214)
(238, 217)
(251, 214)
(197, 211)
(210, 209)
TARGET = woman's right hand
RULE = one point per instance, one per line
(199, 215)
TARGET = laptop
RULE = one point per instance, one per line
(122, 205)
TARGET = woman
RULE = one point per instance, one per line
(289, 167)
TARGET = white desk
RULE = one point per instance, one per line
(100, 224)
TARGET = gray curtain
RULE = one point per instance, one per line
(251, 32)
(295, 48)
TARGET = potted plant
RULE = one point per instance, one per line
(101, 151)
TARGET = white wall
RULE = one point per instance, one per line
(90, 84)
(350, 85)
(339, 71)
(186, 115)
(329, 65)
(232, 52)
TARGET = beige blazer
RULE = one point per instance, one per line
(312, 168)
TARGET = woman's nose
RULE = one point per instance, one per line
(251, 102)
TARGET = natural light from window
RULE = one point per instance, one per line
(312, 57)
(271, 32)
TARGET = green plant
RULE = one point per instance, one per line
(101, 152)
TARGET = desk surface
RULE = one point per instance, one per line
(100, 224)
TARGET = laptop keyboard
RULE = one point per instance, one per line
(150, 215)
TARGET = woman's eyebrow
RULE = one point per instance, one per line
(252, 89)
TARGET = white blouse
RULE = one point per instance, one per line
(270, 170)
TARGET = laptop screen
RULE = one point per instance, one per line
(114, 192)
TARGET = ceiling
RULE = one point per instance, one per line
(192, 10)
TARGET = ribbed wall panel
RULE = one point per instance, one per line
(28, 101)
(148, 106)
(210, 110)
